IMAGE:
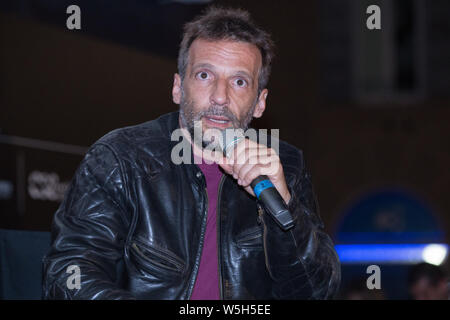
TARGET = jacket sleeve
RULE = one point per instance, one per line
(89, 231)
(302, 261)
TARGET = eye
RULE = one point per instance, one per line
(203, 75)
(240, 82)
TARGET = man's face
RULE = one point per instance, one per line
(422, 289)
(220, 87)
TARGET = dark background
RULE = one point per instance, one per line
(369, 108)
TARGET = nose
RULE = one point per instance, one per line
(219, 95)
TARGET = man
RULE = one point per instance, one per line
(137, 225)
(428, 282)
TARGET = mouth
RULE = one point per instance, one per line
(217, 121)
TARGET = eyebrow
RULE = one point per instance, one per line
(210, 66)
(203, 65)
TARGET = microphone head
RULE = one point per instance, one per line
(230, 138)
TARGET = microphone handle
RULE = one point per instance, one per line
(274, 204)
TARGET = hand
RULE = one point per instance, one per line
(250, 160)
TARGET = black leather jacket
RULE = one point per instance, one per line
(134, 223)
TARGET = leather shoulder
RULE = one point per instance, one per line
(144, 146)
(291, 157)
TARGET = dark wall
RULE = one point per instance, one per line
(62, 86)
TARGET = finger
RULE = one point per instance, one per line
(225, 163)
(270, 167)
(252, 161)
(250, 175)
(270, 163)
(228, 168)
(241, 160)
(243, 172)
(242, 145)
(250, 157)
(250, 190)
(245, 155)
(247, 144)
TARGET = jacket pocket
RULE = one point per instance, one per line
(153, 259)
(251, 238)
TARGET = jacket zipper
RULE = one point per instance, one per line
(201, 242)
(250, 236)
(219, 256)
(178, 266)
(261, 220)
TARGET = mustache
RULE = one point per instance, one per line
(220, 112)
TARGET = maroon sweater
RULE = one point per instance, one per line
(207, 284)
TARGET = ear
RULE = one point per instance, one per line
(261, 104)
(176, 89)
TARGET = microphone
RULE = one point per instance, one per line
(263, 188)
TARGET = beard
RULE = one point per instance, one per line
(189, 117)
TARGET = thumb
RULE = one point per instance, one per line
(225, 165)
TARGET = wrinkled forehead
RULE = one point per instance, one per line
(226, 55)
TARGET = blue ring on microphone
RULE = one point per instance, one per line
(261, 186)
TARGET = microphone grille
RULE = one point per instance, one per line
(230, 138)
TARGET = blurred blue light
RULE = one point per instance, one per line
(384, 253)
